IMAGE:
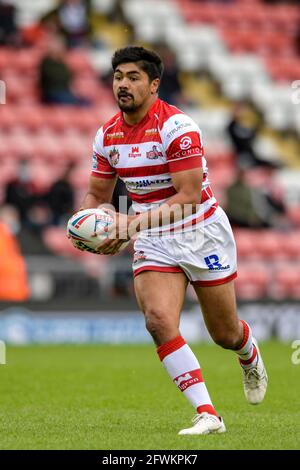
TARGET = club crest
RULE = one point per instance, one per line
(114, 156)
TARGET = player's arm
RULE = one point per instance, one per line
(188, 184)
(100, 191)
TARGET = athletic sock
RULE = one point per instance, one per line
(246, 352)
(184, 369)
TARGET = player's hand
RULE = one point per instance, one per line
(76, 245)
(117, 233)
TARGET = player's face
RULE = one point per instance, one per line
(132, 87)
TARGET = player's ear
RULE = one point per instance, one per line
(154, 85)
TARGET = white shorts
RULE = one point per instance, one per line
(207, 255)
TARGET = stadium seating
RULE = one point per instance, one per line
(286, 283)
(252, 281)
(265, 32)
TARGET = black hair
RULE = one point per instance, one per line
(149, 61)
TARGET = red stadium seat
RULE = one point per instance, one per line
(19, 90)
(294, 214)
(19, 145)
(256, 41)
(7, 57)
(284, 68)
(290, 245)
(30, 118)
(85, 120)
(222, 175)
(80, 63)
(80, 177)
(252, 281)
(47, 146)
(249, 28)
(246, 240)
(74, 147)
(8, 170)
(8, 118)
(58, 118)
(57, 242)
(286, 284)
(217, 157)
(268, 244)
(195, 12)
(26, 60)
(86, 87)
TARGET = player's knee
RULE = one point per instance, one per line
(226, 340)
(156, 321)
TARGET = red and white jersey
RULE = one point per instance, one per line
(145, 155)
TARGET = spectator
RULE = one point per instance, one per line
(24, 194)
(21, 192)
(9, 35)
(71, 19)
(13, 279)
(169, 88)
(254, 207)
(55, 77)
(243, 134)
(61, 198)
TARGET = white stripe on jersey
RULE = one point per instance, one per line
(176, 126)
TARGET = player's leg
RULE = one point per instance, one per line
(161, 296)
(218, 306)
(219, 310)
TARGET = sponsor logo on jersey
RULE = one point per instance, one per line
(178, 128)
(115, 135)
(135, 152)
(130, 185)
(114, 156)
(213, 263)
(187, 153)
(154, 153)
(152, 131)
(185, 142)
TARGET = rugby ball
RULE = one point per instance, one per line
(83, 226)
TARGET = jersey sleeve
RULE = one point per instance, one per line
(182, 143)
(101, 168)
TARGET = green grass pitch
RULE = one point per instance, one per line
(120, 397)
